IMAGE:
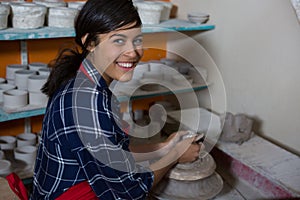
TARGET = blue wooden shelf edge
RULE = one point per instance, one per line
(4, 116)
(52, 32)
(19, 115)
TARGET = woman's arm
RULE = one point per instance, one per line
(143, 152)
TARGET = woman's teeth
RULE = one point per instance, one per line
(126, 65)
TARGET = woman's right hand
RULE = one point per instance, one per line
(188, 150)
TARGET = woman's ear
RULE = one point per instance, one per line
(91, 45)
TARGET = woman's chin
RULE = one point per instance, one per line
(125, 78)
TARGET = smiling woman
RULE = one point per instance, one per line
(84, 150)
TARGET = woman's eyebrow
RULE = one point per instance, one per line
(118, 35)
(124, 36)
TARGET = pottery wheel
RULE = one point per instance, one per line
(207, 188)
(199, 169)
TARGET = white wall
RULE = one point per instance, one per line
(256, 46)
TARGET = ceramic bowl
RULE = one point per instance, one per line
(38, 99)
(4, 87)
(21, 78)
(197, 14)
(7, 142)
(36, 82)
(26, 139)
(198, 20)
(5, 167)
(26, 154)
(15, 98)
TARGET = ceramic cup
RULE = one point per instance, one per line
(44, 71)
(36, 82)
(15, 98)
(35, 66)
(26, 154)
(7, 142)
(4, 87)
(26, 139)
(10, 71)
(5, 167)
(38, 98)
(21, 78)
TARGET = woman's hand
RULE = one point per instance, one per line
(188, 150)
(174, 138)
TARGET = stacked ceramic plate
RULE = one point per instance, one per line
(198, 17)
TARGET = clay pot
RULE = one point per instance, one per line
(4, 12)
(62, 17)
(28, 15)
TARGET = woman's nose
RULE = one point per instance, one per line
(133, 51)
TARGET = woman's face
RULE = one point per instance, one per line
(117, 54)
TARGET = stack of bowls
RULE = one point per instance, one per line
(198, 17)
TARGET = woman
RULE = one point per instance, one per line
(82, 141)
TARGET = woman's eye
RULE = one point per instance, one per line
(119, 41)
(138, 42)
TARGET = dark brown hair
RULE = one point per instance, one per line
(96, 17)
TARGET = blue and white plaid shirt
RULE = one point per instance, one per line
(81, 141)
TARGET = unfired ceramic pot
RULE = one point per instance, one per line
(28, 15)
(4, 12)
(62, 17)
(150, 12)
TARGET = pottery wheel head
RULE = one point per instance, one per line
(201, 168)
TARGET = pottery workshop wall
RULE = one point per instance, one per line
(256, 47)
